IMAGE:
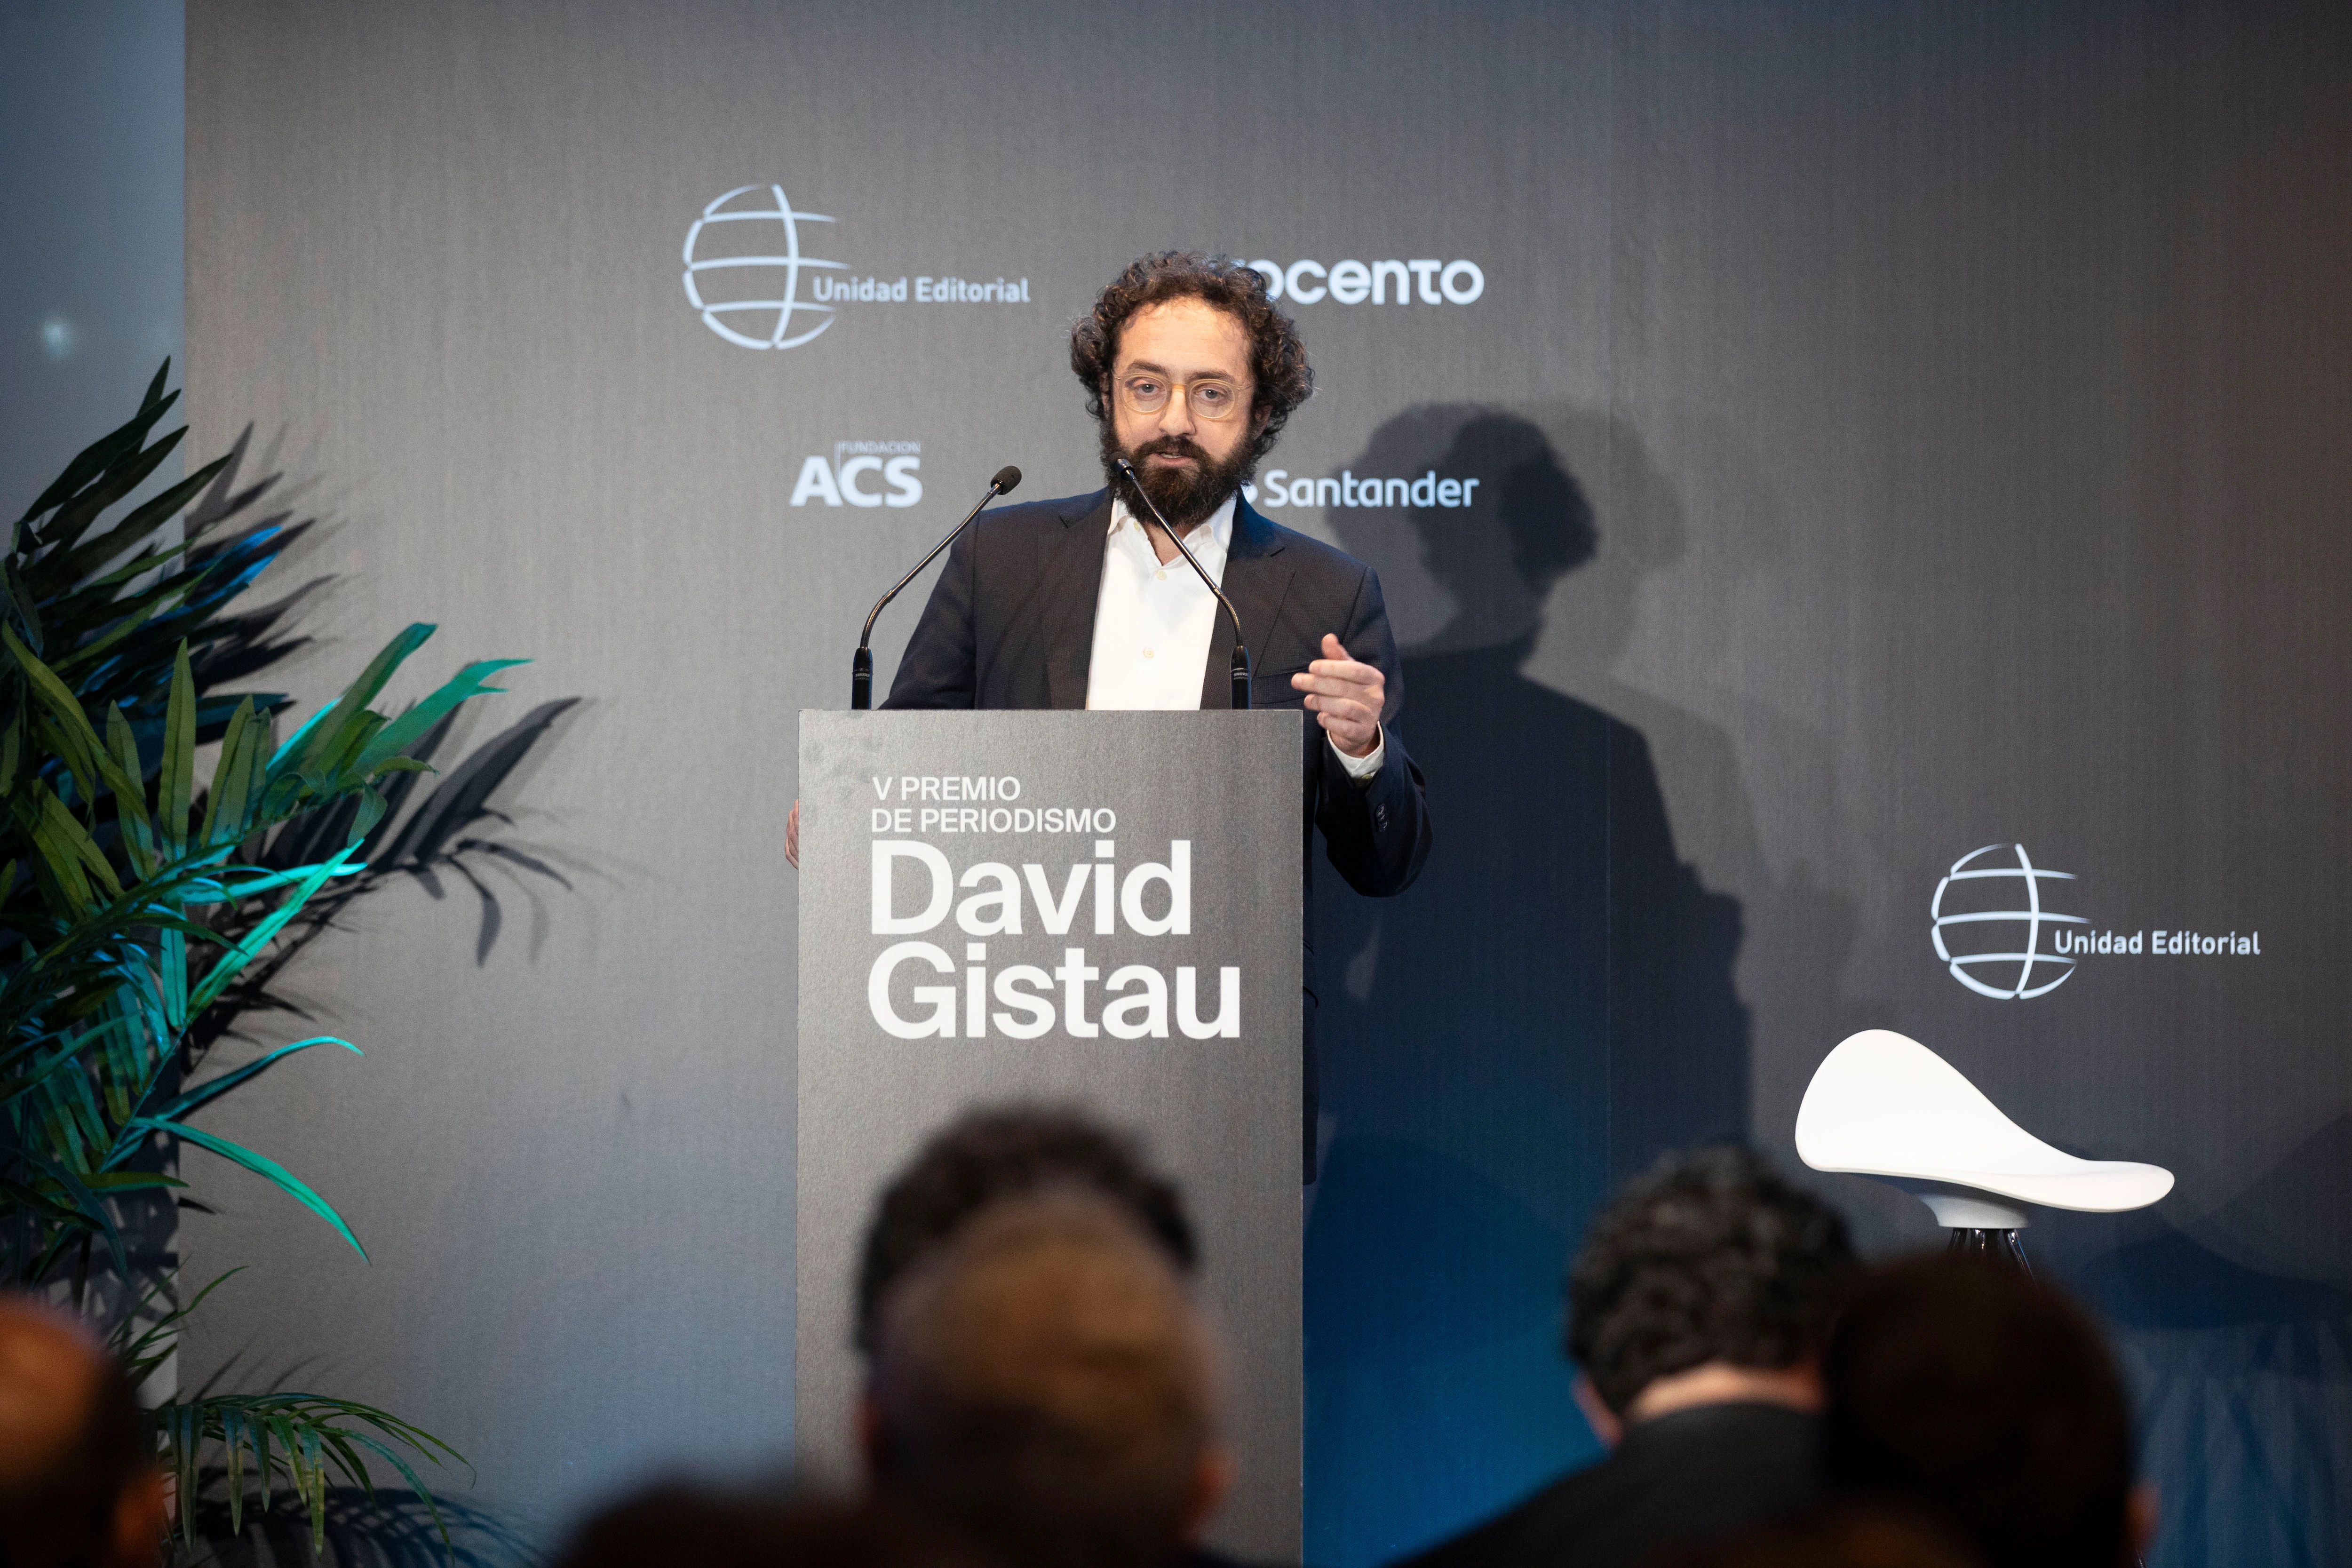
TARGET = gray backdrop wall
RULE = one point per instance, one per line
(1899, 428)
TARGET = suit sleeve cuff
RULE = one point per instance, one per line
(1362, 769)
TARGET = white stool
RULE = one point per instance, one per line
(1884, 1105)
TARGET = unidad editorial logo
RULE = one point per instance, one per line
(1994, 951)
(1998, 934)
(748, 283)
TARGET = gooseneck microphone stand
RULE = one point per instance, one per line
(1241, 649)
(861, 663)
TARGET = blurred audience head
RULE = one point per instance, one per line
(1987, 1401)
(1045, 1387)
(996, 1153)
(78, 1483)
(705, 1527)
(1711, 1279)
(1848, 1536)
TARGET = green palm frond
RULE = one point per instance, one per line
(142, 1349)
(142, 910)
(303, 1441)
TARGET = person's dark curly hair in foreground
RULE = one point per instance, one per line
(1045, 1387)
(1697, 1312)
(1003, 1153)
(1711, 1258)
(1987, 1401)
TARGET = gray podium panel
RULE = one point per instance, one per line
(1121, 893)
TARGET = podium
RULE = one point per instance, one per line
(1094, 909)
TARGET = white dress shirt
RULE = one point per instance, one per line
(1153, 623)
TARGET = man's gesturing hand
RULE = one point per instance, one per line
(1345, 697)
(793, 837)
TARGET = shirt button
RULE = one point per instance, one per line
(1161, 575)
(1146, 653)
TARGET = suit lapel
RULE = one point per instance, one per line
(1070, 579)
(1257, 579)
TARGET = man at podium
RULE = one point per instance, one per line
(1190, 373)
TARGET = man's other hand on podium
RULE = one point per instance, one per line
(793, 837)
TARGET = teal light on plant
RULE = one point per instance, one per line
(139, 913)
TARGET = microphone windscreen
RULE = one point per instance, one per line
(1006, 479)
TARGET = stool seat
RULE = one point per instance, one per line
(1884, 1105)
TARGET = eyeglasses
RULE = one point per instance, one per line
(1142, 392)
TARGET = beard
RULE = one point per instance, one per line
(1185, 500)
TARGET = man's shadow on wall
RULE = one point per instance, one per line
(1546, 1010)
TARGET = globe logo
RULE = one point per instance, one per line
(1989, 925)
(746, 281)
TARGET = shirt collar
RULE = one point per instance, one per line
(1208, 544)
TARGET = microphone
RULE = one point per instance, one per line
(1241, 649)
(861, 665)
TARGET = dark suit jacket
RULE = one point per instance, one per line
(1010, 624)
(1682, 1479)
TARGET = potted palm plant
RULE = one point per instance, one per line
(143, 910)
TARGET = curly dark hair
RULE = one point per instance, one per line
(1278, 365)
(997, 1153)
(1987, 1399)
(1711, 1256)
